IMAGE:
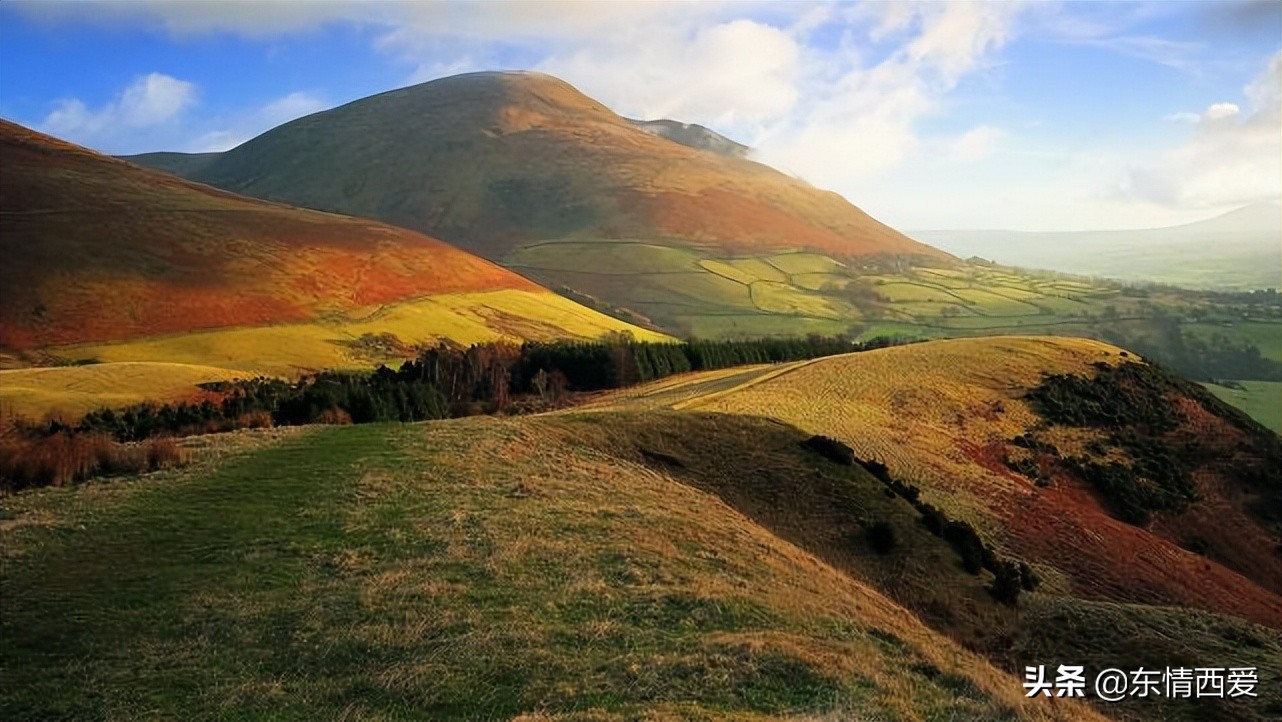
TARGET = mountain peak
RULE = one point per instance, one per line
(506, 101)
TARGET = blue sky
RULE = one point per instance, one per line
(930, 115)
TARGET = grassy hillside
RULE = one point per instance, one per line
(946, 417)
(473, 569)
(71, 391)
(1259, 399)
(670, 551)
(168, 368)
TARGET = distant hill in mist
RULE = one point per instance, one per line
(1238, 250)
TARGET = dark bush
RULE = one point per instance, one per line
(969, 546)
(933, 519)
(881, 537)
(831, 449)
(1028, 578)
(1007, 583)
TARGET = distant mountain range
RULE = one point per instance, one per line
(1239, 250)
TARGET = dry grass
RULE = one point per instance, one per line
(63, 459)
(509, 315)
(469, 569)
(72, 391)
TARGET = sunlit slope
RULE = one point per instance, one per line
(75, 390)
(166, 368)
(366, 337)
(96, 249)
(943, 415)
(472, 569)
(492, 161)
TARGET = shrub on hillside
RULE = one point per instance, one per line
(66, 458)
(881, 537)
(1028, 578)
(831, 449)
(1007, 583)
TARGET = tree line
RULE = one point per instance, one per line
(448, 380)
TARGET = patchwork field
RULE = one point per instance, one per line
(685, 288)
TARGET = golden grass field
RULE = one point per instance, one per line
(941, 415)
(906, 405)
(508, 315)
(72, 391)
(168, 367)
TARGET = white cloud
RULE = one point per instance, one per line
(153, 113)
(149, 101)
(1230, 159)
(725, 74)
(867, 119)
(1220, 111)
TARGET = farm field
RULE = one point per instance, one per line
(700, 292)
(1261, 400)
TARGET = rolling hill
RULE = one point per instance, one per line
(107, 261)
(966, 422)
(672, 551)
(528, 568)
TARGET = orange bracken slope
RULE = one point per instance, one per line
(98, 249)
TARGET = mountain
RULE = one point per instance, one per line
(490, 161)
(182, 164)
(638, 218)
(692, 135)
(110, 261)
(1239, 250)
